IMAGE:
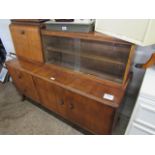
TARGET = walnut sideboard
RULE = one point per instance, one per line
(79, 76)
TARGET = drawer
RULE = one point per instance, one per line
(137, 129)
(24, 83)
(145, 113)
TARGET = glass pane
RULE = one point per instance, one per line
(103, 59)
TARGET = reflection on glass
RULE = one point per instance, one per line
(102, 59)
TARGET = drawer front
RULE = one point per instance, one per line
(24, 83)
(27, 42)
(89, 114)
(146, 113)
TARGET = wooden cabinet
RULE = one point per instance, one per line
(70, 96)
(84, 76)
(110, 58)
(76, 103)
(27, 42)
(85, 112)
(23, 81)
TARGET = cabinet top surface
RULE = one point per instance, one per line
(82, 84)
(24, 65)
(73, 81)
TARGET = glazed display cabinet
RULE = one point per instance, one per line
(80, 76)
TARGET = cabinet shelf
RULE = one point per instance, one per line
(93, 74)
(82, 54)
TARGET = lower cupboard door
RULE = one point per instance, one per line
(89, 114)
(46, 93)
(24, 83)
(51, 96)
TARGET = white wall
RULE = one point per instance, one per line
(138, 31)
(5, 35)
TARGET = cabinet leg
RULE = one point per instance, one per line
(23, 98)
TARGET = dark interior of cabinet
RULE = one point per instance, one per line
(102, 59)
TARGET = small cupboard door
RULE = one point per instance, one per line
(51, 96)
(24, 83)
(89, 114)
(27, 42)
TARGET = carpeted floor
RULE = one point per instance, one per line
(24, 117)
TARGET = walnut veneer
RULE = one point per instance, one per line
(49, 75)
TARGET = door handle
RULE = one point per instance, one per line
(22, 32)
(71, 106)
(19, 76)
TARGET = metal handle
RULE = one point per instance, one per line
(22, 32)
(19, 76)
(71, 106)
